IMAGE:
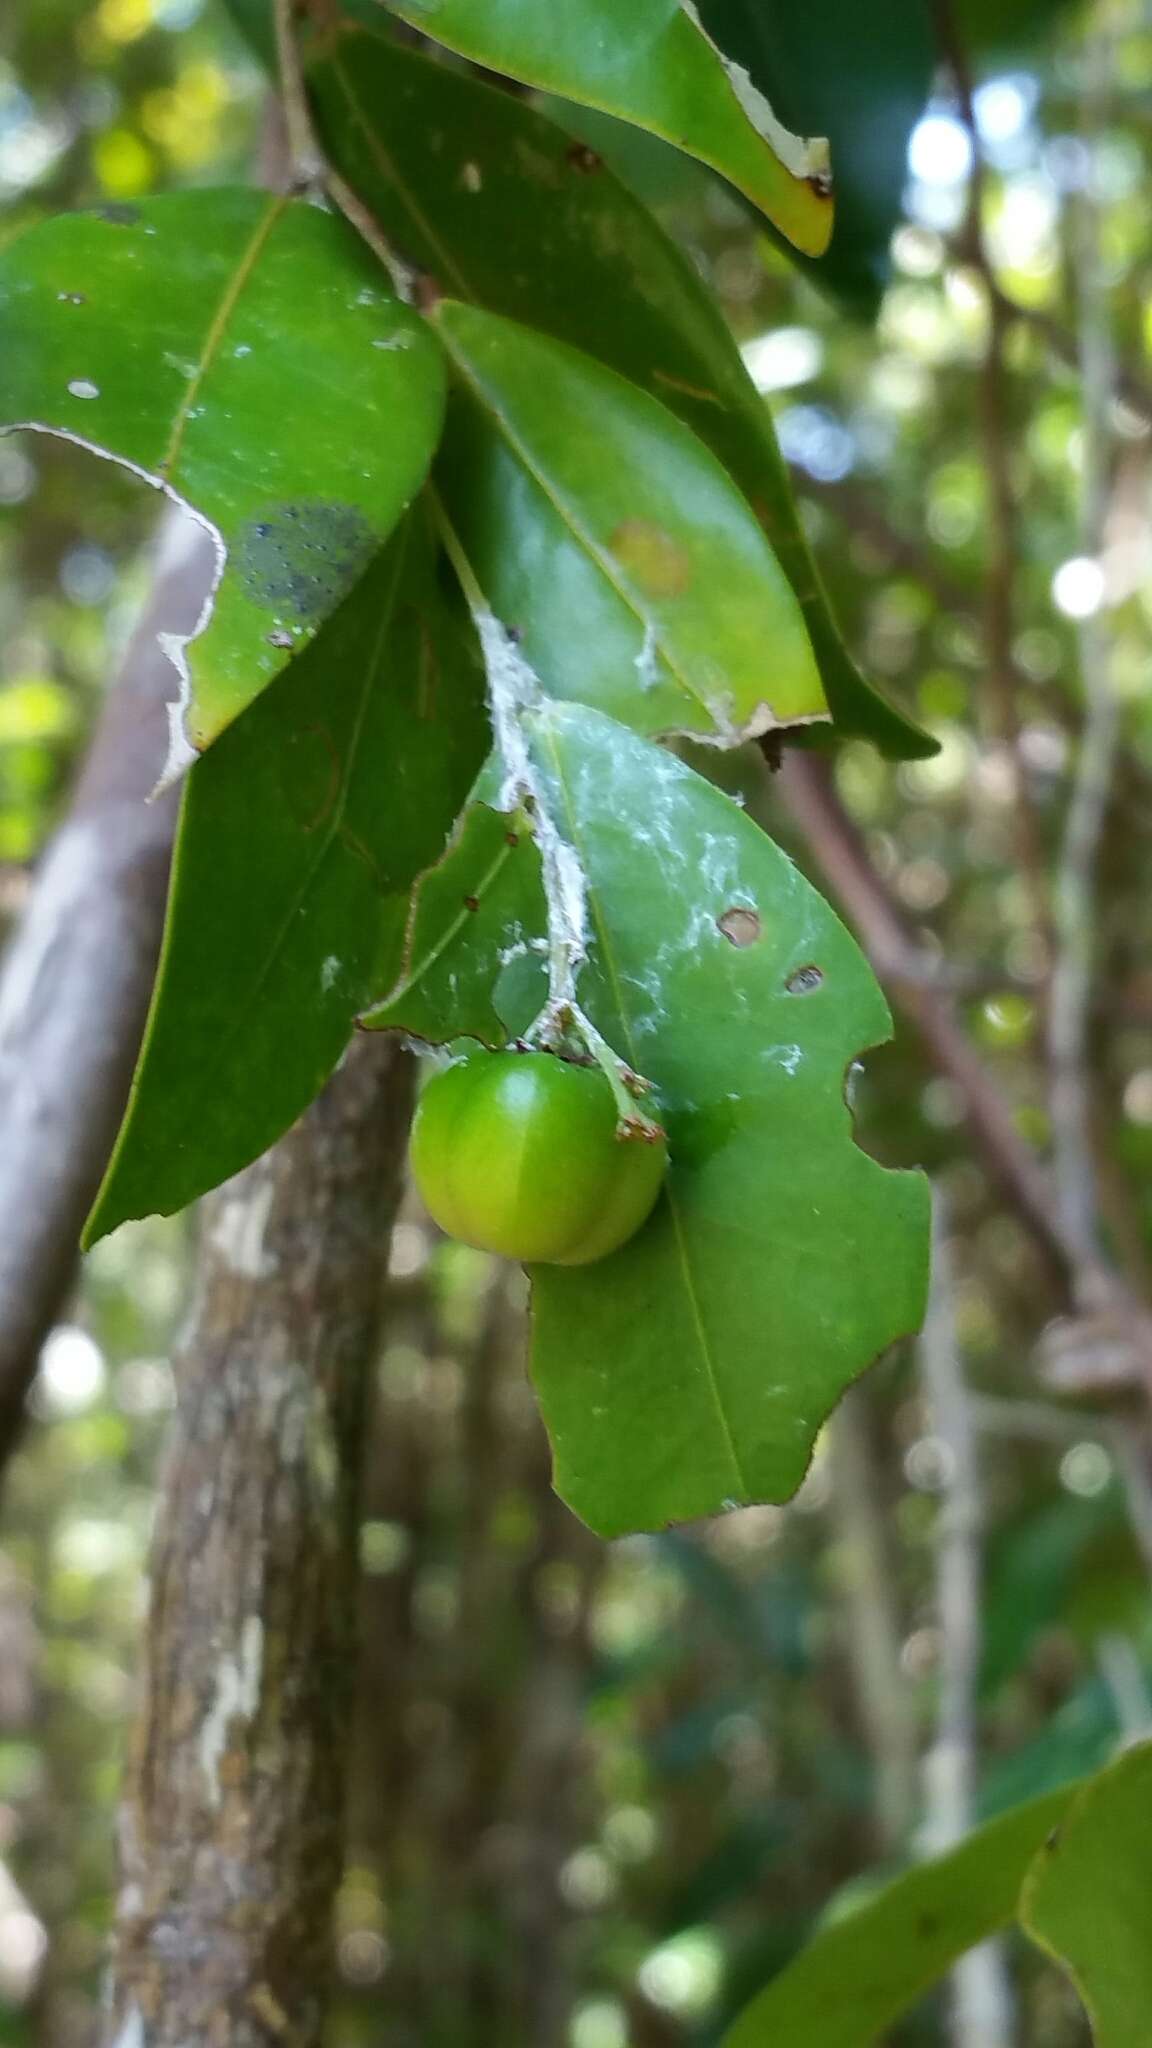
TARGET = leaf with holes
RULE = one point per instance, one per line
(246, 355)
(503, 208)
(345, 776)
(691, 1370)
(1086, 1899)
(651, 63)
(609, 537)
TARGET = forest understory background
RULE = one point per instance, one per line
(618, 1783)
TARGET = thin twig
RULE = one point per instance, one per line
(981, 1999)
(415, 287)
(1123, 1438)
(305, 159)
(1130, 387)
(838, 846)
(874, 1625)
(1004, 681)
(1070, 1095)
(309, 170)
(998, 1415)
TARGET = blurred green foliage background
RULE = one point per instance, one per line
(601, 1795)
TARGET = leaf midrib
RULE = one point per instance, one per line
(388, 168)
(608, 958)
(217, 328)
(600, 559)
(413, 975)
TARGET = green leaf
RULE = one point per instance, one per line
(995, 31)
(1087, 1896)
(504, 209)
(600, 528)
(246, 355)
(865, 92)
(651, 63)
(298, 829)
(692, 1370)
(476, 912)
(859, 1974)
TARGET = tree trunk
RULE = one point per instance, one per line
(232, 1818)
(76, 980)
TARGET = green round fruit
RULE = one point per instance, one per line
(518, 1153)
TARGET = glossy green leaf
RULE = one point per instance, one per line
(691, 1371)
(999, 30)
(298, 830)
(1087, 1899)
(503, 208)
(858, 1974)
(246, 355)
(651, 63)
(610, 538)
(477, 911)
(865, 92)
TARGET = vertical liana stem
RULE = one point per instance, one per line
(980, 1993)
(1002, 676)
(1070, 1095)
(874, 1624)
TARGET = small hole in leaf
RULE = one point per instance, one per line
(741, 927)
(804, 980)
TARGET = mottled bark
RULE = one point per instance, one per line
(232, 1816)
(76, 981)
(473, 1774)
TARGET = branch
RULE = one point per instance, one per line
(76, 980)
(981, 2003)
(875, 1630)
(1003, 555)
(1130, 387)
(232, 1821)
(839, 850)
(1070, 1093)
(857, 504)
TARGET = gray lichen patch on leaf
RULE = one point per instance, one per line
(175, 337)
(298, 558)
